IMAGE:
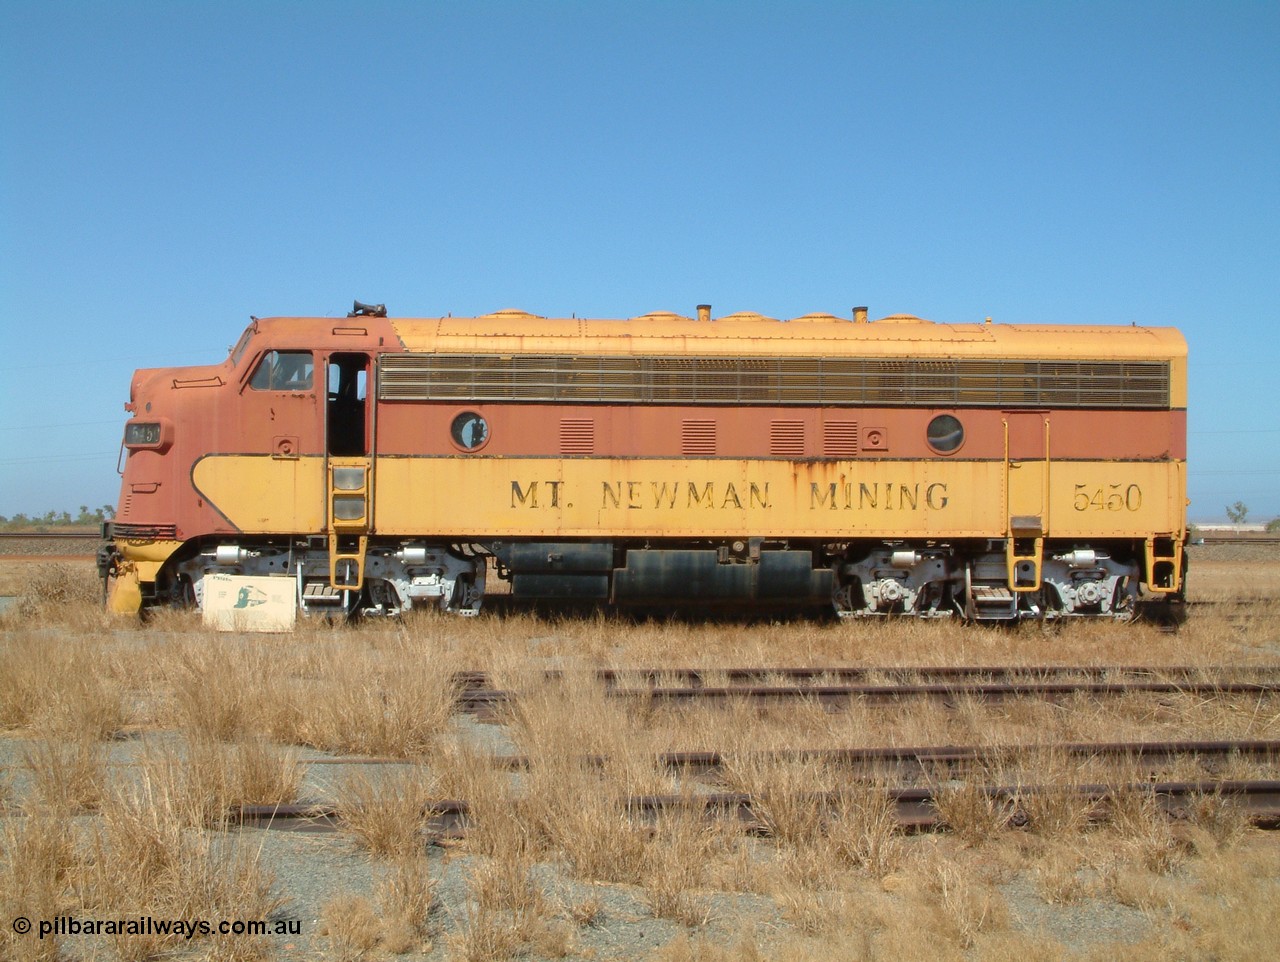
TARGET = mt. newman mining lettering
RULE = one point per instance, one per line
(884, 495)
(668, 495)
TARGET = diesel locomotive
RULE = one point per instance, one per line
(889, 467)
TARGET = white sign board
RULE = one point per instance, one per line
(243, 603)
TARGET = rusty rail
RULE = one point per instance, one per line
(915, 808)
(487, 701)
(843, 674)
(1149, 756)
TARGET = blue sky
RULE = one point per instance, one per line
(168, 169)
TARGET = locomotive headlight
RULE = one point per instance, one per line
(151, 435)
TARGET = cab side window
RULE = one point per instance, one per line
(284, 371)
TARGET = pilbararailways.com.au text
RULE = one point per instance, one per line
(63, 925)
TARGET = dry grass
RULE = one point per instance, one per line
(505, 911)
(387, 814)
(406, 895)
(38, 868)
(1223, 819)
(217, 684)
(485, 935)
(573, 716)
(1049, 796)
(1144, 830)
(393, 697)
(1058, 875)
(199, 781)
(351, 926)
(674, 866)
(704, 949)
(967, 908)
(843, 880)
(579, 814)
(862, 829)
(146, 862)
(971, 812)
(60, 685)
(380, 692)
(573, 804)
(66, 776)
(60, 594)
(785, 794)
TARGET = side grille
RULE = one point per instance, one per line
(577, 436)
(786, 438)
(698, 437)
(840, 439)
(967, 382)
(144, 532)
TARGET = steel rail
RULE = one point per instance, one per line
(489, 700)
(915, 807)
(875, 760)
(1151, 755)
(697, 677)
(1237, 539)
(1266, 539)
(50, 536)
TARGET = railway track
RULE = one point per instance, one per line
(843, 674)
(935, 761)
(38, 537)
(1237, 539)
(488, 701)
(93, 533)
(915, 804)
(916, 808)
(9, 540)
(48, 545)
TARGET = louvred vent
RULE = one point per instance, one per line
(786, 438)
(698, 437)
(577, 436)
(840, 439)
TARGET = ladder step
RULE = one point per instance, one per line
(317, 592)
(992, 594)
(318, 596)
(346, 567)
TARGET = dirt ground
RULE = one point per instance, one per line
(122, 742)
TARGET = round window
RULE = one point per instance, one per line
(945, 434)
(470, 431)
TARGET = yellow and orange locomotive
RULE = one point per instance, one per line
(897, 466)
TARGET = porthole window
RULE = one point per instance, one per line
(945, 434)
(470, 431)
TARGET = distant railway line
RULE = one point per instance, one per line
(36, 544)
(38, 537)
(83, 534)
(1238, 539)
